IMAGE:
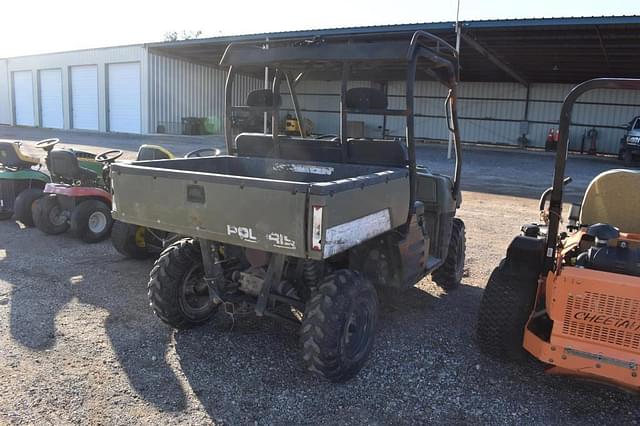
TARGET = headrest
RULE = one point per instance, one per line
(263, 98)
(363, 98)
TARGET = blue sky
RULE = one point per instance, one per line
(30, 26)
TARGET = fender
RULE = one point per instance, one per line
(77, 191)
(24, 175)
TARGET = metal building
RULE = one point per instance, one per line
(514, 76)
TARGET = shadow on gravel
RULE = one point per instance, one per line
(138, 340)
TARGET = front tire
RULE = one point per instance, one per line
(507, 303)
(339, 325)
(91, 221)
(25, 201)
(177, 290)
(449, 274)
(49, 216)
(129, 240)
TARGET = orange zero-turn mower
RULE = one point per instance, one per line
(572, 299)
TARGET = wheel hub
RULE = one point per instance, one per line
(57, 216)
(97, 222)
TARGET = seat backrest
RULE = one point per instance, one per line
(153, 152)
(64, 163)
(613, 197)
(378, 152)
(10, 156)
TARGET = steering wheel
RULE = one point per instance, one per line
(109, 156)
(203, 152)
(47, 144)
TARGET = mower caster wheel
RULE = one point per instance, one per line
(506, 305)
(449, 274)
(91, 221)
(24, 205)
(6, 214)
(129, 240)
(339, 325)
(177, 291)
(48, 215)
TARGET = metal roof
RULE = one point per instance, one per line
(552, 50)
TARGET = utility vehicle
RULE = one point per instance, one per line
(572, 299)
(78, 197)
(305, 228)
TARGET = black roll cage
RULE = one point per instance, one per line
(555, 202)
(299, 55)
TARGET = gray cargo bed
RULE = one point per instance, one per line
(263, 203)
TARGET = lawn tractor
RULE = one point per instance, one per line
(299, 228)
(79, 196)
(21, 182)
(572, 299)
(141, 242)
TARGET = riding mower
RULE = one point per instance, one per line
(141, 242)
(572, 299)
(21, 182)
(78, 197)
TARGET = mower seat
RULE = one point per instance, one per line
(613, 198)
(153, 152)
(11, 156)
(64, 163)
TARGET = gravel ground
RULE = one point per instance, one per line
(79, 344)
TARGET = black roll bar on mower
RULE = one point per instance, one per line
(555, 203)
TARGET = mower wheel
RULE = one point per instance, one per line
(129, 240)
(24, 205)
(48, 215)
(91, 221)
(177, 291)
(339, 325)
(449, 275)
(506, 305)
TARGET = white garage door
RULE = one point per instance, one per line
(84, 97)
(124, 97)
(23, 98)
(51, 99)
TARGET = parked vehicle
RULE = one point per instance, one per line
(572, 299)
(312, 225)
(630, 142)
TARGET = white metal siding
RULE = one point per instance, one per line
(5, 93)
(179, 89)
(84, 97)
(51, 99)
(124, 97)
(23, 98)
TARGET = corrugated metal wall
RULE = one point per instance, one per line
(5, 105)
(491, 113)
(180, 89)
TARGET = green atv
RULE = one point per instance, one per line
(21, 182)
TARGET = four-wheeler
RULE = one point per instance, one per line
(299, 228)
(141, 242)
(78, 198)
(21, 182)
(572, 299)
(630, 142)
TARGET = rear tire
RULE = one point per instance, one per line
(48, 215)
(177, 291)
(339, 325)
(126, 240)
(24, 205)
(449, 274)
(507, 303)
(91, 221)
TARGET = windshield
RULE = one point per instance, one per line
(636, 125)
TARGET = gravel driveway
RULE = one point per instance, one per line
(79, 344)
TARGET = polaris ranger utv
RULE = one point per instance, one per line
(311, 225)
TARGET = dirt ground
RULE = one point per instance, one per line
(79, 343)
